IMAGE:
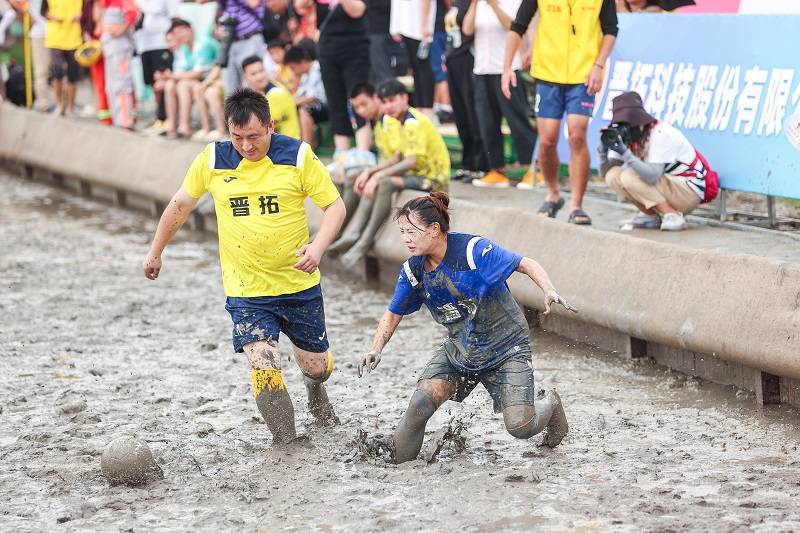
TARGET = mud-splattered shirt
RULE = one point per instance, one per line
(261, 213)
(468, 294)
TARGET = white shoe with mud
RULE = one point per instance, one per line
(557, 427)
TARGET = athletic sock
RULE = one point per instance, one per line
(274, 403)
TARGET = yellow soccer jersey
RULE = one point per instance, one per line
(422, 139)
(261, 216)
(65, 33)
(388, 135)
(283, 110)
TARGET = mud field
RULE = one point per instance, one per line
(90, 350)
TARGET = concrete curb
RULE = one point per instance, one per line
(743, 309)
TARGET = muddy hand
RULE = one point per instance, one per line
(370, 361)
(151, 266)
(551, 298)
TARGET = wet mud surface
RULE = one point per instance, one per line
(91, 350)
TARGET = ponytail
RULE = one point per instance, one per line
(429, 209)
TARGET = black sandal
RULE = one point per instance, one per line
(551, 208)
(579, 218)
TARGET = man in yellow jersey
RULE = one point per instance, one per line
(573, 41)
(281, 101)
(62, 38)
(259, 181)
(421, 162)
(387, 137)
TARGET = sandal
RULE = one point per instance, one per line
(579, 218)
(551, 208)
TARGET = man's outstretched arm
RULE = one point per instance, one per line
(173, 217)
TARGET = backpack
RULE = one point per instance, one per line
(712, 180)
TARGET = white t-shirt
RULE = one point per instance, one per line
(490, 37)
(669, 147)
(406, 18)
(158, 15)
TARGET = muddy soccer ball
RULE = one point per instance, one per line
(128, 461)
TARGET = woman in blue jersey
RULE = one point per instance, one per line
(461, 278)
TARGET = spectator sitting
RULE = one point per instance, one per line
(192, 62)
(310, 96)
(208, 97)
(421, 162)
(387, 135)
(281, 103)
(283, 75)
(653, 165)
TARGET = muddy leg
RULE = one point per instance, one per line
(525, 421)
(410, 432)
(317, 368)
(381, 208)
(272, 398)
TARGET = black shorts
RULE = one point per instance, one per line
(510, 383)
(155, 61)
(318, 112)
(62, 63)
(418, 183)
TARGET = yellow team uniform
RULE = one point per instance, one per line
(65, 33)
(388, 134)
(261, 216)
(422, 139)
(283, 110)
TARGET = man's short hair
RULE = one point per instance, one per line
(276, 43)
(391, 87)
(243, 104)
(363, 87)
(296, 55)
(250, 60)
(177, 23)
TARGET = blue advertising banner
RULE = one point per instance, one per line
(730, 83)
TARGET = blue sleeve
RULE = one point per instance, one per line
(493, 262)
(406, 299)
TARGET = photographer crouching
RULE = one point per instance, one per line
(653, 165)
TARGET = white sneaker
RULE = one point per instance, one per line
(642, 221)
(200, 135)
(673, 222)
(215, 135)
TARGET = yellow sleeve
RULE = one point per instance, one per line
(197, 177)
(414, 139)
(291, 116)
(317, 182)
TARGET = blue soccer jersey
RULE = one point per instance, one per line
(468, 294)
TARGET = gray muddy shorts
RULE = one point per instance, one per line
(419, 183)
(509, 384)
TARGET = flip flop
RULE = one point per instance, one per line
(551, 208)
(579, 218)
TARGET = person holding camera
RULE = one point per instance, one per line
(653, 165)
(242, 27)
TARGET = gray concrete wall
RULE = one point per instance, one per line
(740, 309)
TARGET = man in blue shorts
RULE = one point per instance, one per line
(462, 280)
(259, 181)
(573, 42)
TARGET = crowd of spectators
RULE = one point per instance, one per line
(461, 61)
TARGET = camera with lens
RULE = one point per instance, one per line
(610, 134)
(228, 29)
